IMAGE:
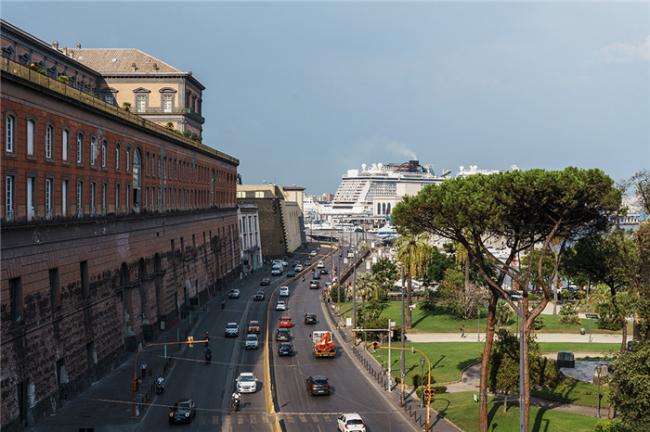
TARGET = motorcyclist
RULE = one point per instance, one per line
(236, 399)
(207, 339)
(208, 355)
(160, 385)
(223, 304)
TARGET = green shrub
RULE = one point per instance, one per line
(569, 314)
(440, 389)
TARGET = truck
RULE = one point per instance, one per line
(323, 344)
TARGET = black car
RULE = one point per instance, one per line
(310, 318)
(285, 349)
(307, 262)
(290, 273)
(265, 282)
(259, 296)
(282, 335)
(318, 385)
(323, 271)
(183, 411)
(316, 276)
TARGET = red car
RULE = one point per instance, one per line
(285, 322)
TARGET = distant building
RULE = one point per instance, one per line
(150, 87)
(281, 228)
(249, 237)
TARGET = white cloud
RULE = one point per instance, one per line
(626, 52)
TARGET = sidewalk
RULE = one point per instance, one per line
(541, 337)
(105, 405)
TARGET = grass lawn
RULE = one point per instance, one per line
(463, 411)
(440, 322)
(448, 359)
(575, 392)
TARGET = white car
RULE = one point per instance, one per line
(320, 265)
(276, 271)
(246, 383)
(232, 329)
(281, 306)
(313, 253)
(252, 342)
(350, 422)
(233, 293)
(298, 268)
(350, 254)
(284, 291)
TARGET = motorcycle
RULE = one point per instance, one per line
(160, 385)
(236, 402)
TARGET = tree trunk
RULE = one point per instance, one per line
(624, 339)
(485, 362)
(526, 370)
(409, 299)
(505, 403)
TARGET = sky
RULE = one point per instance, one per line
(301, 92)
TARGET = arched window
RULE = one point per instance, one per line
(378, 208)
(93, 150)
(80, 146)
(137, 168)
(388, 209)
(49, 137)
(10, 127)
(117, 156)
(64, 144)
(31, 127)
(127, 159)
(104, 145)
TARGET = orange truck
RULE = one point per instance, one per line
(323, 344)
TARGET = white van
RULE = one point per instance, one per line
(284, 291)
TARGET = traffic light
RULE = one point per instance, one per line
(428, 393)
(375, 345)
(190, 341)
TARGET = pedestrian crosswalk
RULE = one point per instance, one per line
(261, 419)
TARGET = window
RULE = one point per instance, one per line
(128, 197)
(167, 102)
(10, 126)
(104, 198)
(104, 145)
(141, 103)
(93, 189)
(117, 196)
(93, 150)
(83, 273)
(80, 190)
(49, 136)
(16, 299)
(48, 197)
(117, 157)
(31, 126)
(55, 289)
(64, 144)
(9, 197)
(128, 160)
(31, 183)
(64, 197)
(80, 143)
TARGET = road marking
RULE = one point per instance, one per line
(240, 420)
(215, 420)
(315, 419)
(253, 419)
(302, 418)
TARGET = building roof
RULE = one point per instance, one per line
(129, 61)
(293, 188)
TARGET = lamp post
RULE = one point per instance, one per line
(402, 345)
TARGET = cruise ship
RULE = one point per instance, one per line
(369, 194)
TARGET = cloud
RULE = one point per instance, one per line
(626, 52)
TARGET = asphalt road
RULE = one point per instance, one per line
(352, 391)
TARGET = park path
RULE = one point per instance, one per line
(541, 337)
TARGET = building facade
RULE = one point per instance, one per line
(113, 228)
(249, 237)
(281, 227)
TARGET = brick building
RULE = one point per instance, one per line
(113, 227)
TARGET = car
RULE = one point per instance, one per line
(298, 268)
(320, 265)
(285, 349)
(283, 335)
(232, 329)
(254, 327)
(246, 383)
(276, 271)
(307, 262)
(285, 322)
(313, 253)
(183, 411)
(265, 282)
(259, 296)
(328, 284)
(316, 275)
(284, 291)
(281, 306)
(290, 274)
(252, 341)
(323, 271)
(314, 284)
(350, 422)
(317, 385)
(310, 318)
(350, 254)
(233, 293)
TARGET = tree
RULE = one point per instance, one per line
(504, 366)
(439, 262)
(504, 314)
(642, 326)
(385, 273)
(456, 298)
(569, 314)
(527, 210)
(413, 252)
(629, 387)
(611, 259)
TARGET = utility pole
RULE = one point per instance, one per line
(390, 336)
(521, 367)
(354, 294)
(402, 345)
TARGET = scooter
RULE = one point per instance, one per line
(160, 385)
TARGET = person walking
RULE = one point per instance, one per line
(462, 331)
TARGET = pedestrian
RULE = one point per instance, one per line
(143, 370)
(462, 331)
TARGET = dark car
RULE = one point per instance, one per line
(183, 411)
(282, 335)
(285, 349)
(259, 296)
(318, 385)
(265, 282)
(290, 274)
(310, 318)
(316, 276)
(323, 271)
(307, 262)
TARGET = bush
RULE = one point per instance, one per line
(538, 324)
(610, 426)
(569, 314)
(440, 389)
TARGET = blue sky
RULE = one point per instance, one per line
(300, 92)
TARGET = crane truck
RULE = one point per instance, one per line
(323, 344)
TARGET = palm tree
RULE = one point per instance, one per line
(413, 251)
